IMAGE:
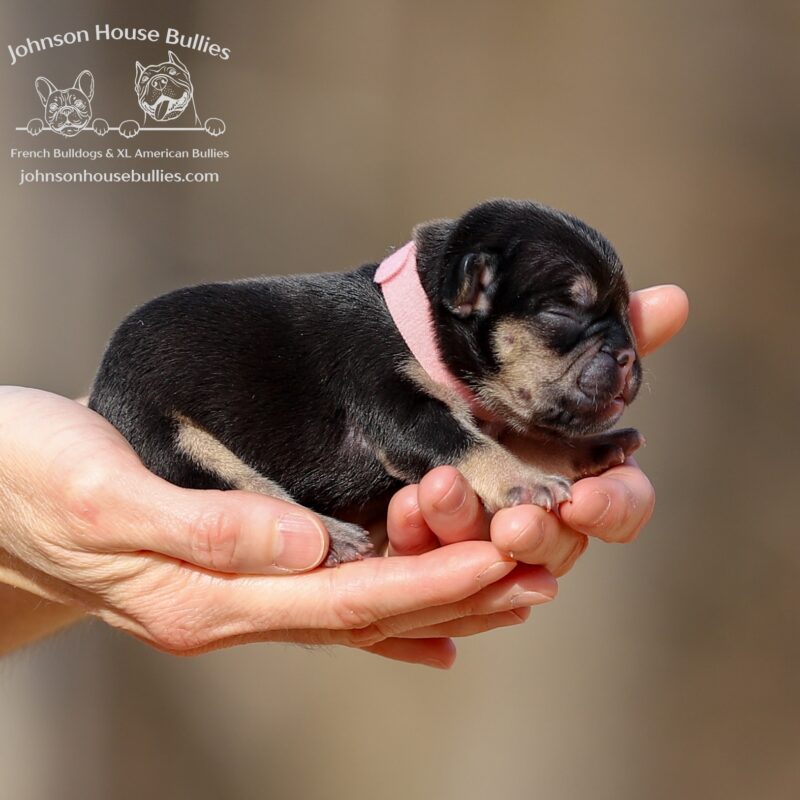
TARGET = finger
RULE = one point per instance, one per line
(409, 534)
(531, 535)
(613, 507)
(657, 314)
(451, 508)
(431, 651)
(353, 596)
(438, 653)
(230, 531)
(470, 626)
(525, 586)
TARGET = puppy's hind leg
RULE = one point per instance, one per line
(348, 542)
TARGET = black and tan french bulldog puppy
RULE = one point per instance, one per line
(336, 389)
(67, 111)
(165, 92)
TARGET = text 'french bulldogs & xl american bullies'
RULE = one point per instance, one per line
(336, 389)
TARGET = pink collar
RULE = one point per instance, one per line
(411, 311)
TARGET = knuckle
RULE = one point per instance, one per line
(85, 490)
(635, 516)
(470, 607)
(348, 610)
(633, 531)
(213, 537)
(365, 637)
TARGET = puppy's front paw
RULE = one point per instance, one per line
(100, 127)
(214, 126)
(598, 453)
(547, 491)
(35, 127)
(129, 128)
(348, 542)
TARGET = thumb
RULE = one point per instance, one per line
(225, 531)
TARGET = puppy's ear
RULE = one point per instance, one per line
(467, 289)
(44, 88)
(139, 71)
(431, 237)
(85, 83)
(176, 61)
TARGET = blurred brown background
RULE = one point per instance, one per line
(668, 668)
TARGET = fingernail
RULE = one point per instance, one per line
(454, 498)
(524, 599)
(596, 507)
(301, 542)
(495, 572)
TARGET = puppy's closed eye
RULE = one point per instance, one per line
(562, 328)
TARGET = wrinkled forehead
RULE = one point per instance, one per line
(67, 97)
(165, 68)
(568, 267)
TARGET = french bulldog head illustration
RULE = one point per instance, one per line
(67, 111)
(164, 90)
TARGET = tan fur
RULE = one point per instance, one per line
(392, 469)
(207, 451)
(493, 472)
(457, 405)
(584, 291)
(526, 365)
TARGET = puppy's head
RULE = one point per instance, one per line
(164, 90)
(67, 111)
(531, 310)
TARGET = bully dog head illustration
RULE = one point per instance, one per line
(67, 111)
(165, 91)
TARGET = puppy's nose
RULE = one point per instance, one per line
(625, 358)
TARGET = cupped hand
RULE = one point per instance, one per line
(613, 507)
(83, 522)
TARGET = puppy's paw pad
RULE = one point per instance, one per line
(549, 492)
(129, 128)
(348, 542)
(100, 127)
(35, 127)
(214, 126)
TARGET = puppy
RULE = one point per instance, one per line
(67, 111)
(164, 92)
(334, 390)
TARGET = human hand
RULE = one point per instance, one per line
(614, 507)
(82, 522)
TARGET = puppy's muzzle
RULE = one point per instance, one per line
(610, 375)
(68, 120)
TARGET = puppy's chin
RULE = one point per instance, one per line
(69, 129)
(571, 415)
